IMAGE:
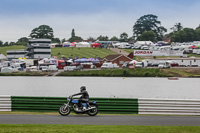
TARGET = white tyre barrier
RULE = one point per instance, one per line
(5, 103)
(169, 106)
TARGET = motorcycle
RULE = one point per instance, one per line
(91, 108)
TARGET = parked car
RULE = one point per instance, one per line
(69, 68)
(127, 46)
(52, 68)
(145, 47)
(74, 67)
(125, 64)
(44, 68)
(139, 65)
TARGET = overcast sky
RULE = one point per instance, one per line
(91, 17)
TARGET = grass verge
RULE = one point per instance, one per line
(150, 72)
(35, 128)
(25, 74)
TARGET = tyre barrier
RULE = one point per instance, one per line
(5, 103)
(169, 106)
(106, 105)
(48, 104)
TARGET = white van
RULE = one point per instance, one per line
(109, 65)
(164, 64)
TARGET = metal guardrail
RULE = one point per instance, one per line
(5, 103)
(169, 106)
(47, 104)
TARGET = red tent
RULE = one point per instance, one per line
(194, 46)
(96, 45)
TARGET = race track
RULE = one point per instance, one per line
(102, 120)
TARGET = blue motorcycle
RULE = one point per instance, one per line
(91, 109)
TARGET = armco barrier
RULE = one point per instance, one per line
(169, 106)
(46, 104)
(5, 103)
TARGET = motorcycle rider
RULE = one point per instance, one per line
(84, 97)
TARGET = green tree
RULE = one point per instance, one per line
(1, 43)
(43, 31)
(103, 38)
(114, 38)
(22, 41)
(148, 23)
(147, 36)
(6, 44)
(91, 39)
(177, 27)
(197, 34)
(63, 40)
(73, 33)
(131, 39)
(12, 43)
(75, 38)
(179, 36)
(190, 34)
(55, 40)
(198, 27)
(124, 37)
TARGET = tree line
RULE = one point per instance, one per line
(146, 28)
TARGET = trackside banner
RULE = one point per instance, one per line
(157, 53)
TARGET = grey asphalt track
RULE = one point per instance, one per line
(102, 120)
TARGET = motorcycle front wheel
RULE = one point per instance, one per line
(93, 111)
(63, 110)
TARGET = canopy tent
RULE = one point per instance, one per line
(96, 45)
(3, 57)
(82, 44)
(72, 45)
(93, 60)
(85, 60)
(80, 60)
(66, 44)
(194, 46)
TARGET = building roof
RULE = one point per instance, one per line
(113, 57)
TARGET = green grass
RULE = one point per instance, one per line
(193, 55)
(81, 52)
(68, 52)
(128, 50)
(14, 47)
(25, 74)
(35, 128)
(140, 72)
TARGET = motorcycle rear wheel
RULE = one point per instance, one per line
(63, 110)
(94, 111)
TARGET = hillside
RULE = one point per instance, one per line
(68, 52)
(14, 47)
(81, 52)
